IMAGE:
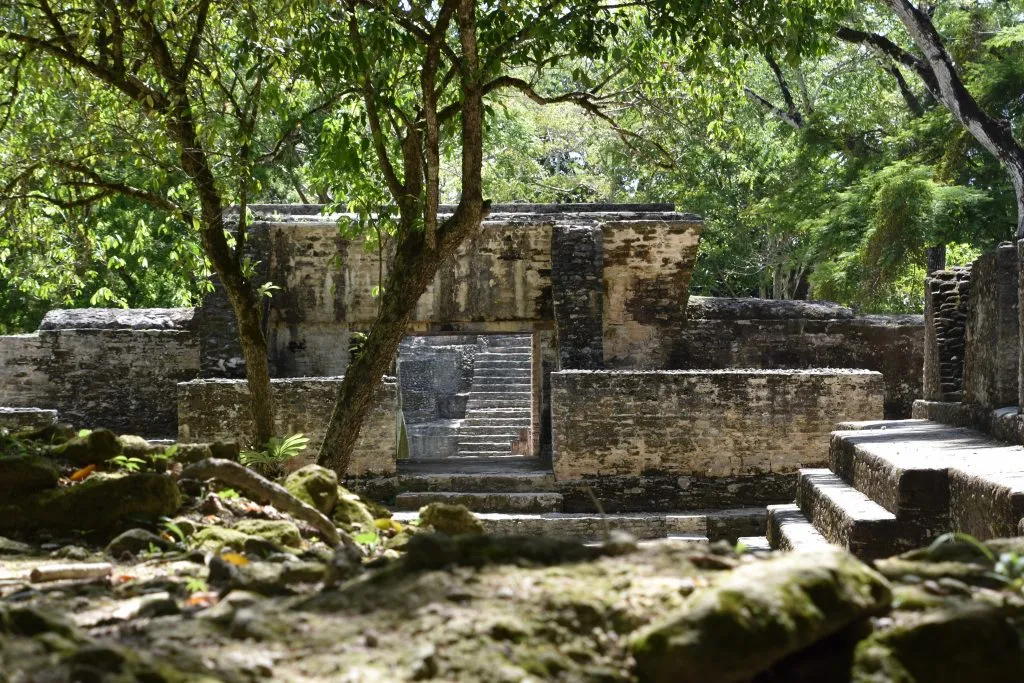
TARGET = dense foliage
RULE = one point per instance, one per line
(823, 168)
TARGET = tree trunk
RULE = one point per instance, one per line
(416, 263)
(411, 273)
(995, 135)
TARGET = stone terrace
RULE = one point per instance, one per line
(895, 485)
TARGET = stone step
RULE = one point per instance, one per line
(511, 482)
(485, 403)
(754, 544)
(487, 393)
(675, 538)
(848, 518)
(488, 430)
(788, 529)
(496, 373)
(507, 383)
(490, 441)
(501, 364)
(504, 453)
(520, 420)
(489, 448)
(532, 502)
(506, 353)
(936, 477)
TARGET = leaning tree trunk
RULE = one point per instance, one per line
(412, 271)
(227, 265)
(995, 135)
(416, 259)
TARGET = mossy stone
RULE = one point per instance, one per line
(135, 541)
(25, 474)
(757, 615)
(350, 512)
(280, 532)
(95, 449)
(217, 538)
(454, 520)
(99, 503)
(968, 642)
(314, 485)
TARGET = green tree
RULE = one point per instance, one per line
(177, 105)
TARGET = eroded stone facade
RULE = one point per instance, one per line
(219, 409)
(703, 423)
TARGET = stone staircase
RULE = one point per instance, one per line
(520, 496)
(498, 411)
(895, 485)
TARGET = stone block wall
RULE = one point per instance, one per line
(577, 290)
(103, 367)
(724, 333)
(992, 350)
(946, 297)
(435, 374)
(703, 423)
(212, 409)
(647, 268)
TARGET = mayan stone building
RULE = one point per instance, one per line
(557, 357)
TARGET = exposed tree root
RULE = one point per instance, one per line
(263, 490)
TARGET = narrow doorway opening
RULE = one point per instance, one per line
(467, 396)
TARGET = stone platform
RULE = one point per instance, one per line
(895, 485)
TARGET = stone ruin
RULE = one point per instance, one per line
(556, 361)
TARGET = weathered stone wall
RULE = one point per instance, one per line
(212, 409)
(946, 295)
(723, 333)
(992, 353)
(500, 281)
(435, 374)
(577, 265)
(647, 270)
(703, 423)
(103, 367)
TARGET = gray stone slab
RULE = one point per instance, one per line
(483, 502)
(788, 529)
(848, 518)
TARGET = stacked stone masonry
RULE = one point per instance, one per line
(702, 423)
(946, 309)
(219, 409)
(992, 352)
(103, 367)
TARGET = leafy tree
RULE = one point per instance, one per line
(177, 105)
(418, 79)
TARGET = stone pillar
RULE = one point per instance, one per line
(577, 267)
(992, 353)
(945, 311)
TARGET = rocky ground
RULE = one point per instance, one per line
(163, 574)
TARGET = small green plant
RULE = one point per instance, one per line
(82, 433)
(128, 464)
(194, 584)
(369, 538)
(167, 454)
(228, 494)
(173, 529)
(268, 461)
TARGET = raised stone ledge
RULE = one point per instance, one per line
(748, 308)
(263, 211)
(25, 418)
(118, 319)
(1005, 424)
(719, 423)
(219, 410)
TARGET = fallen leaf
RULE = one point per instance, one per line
(83, 473)
(236, 559)
(201, 600)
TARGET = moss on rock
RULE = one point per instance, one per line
(350, 512)
(759, 614)
(453, 520)
(99, 446)
(315, 485)
(969, 642)
(25, 474)
(280, 532)
(94, 505)
(217, 538)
